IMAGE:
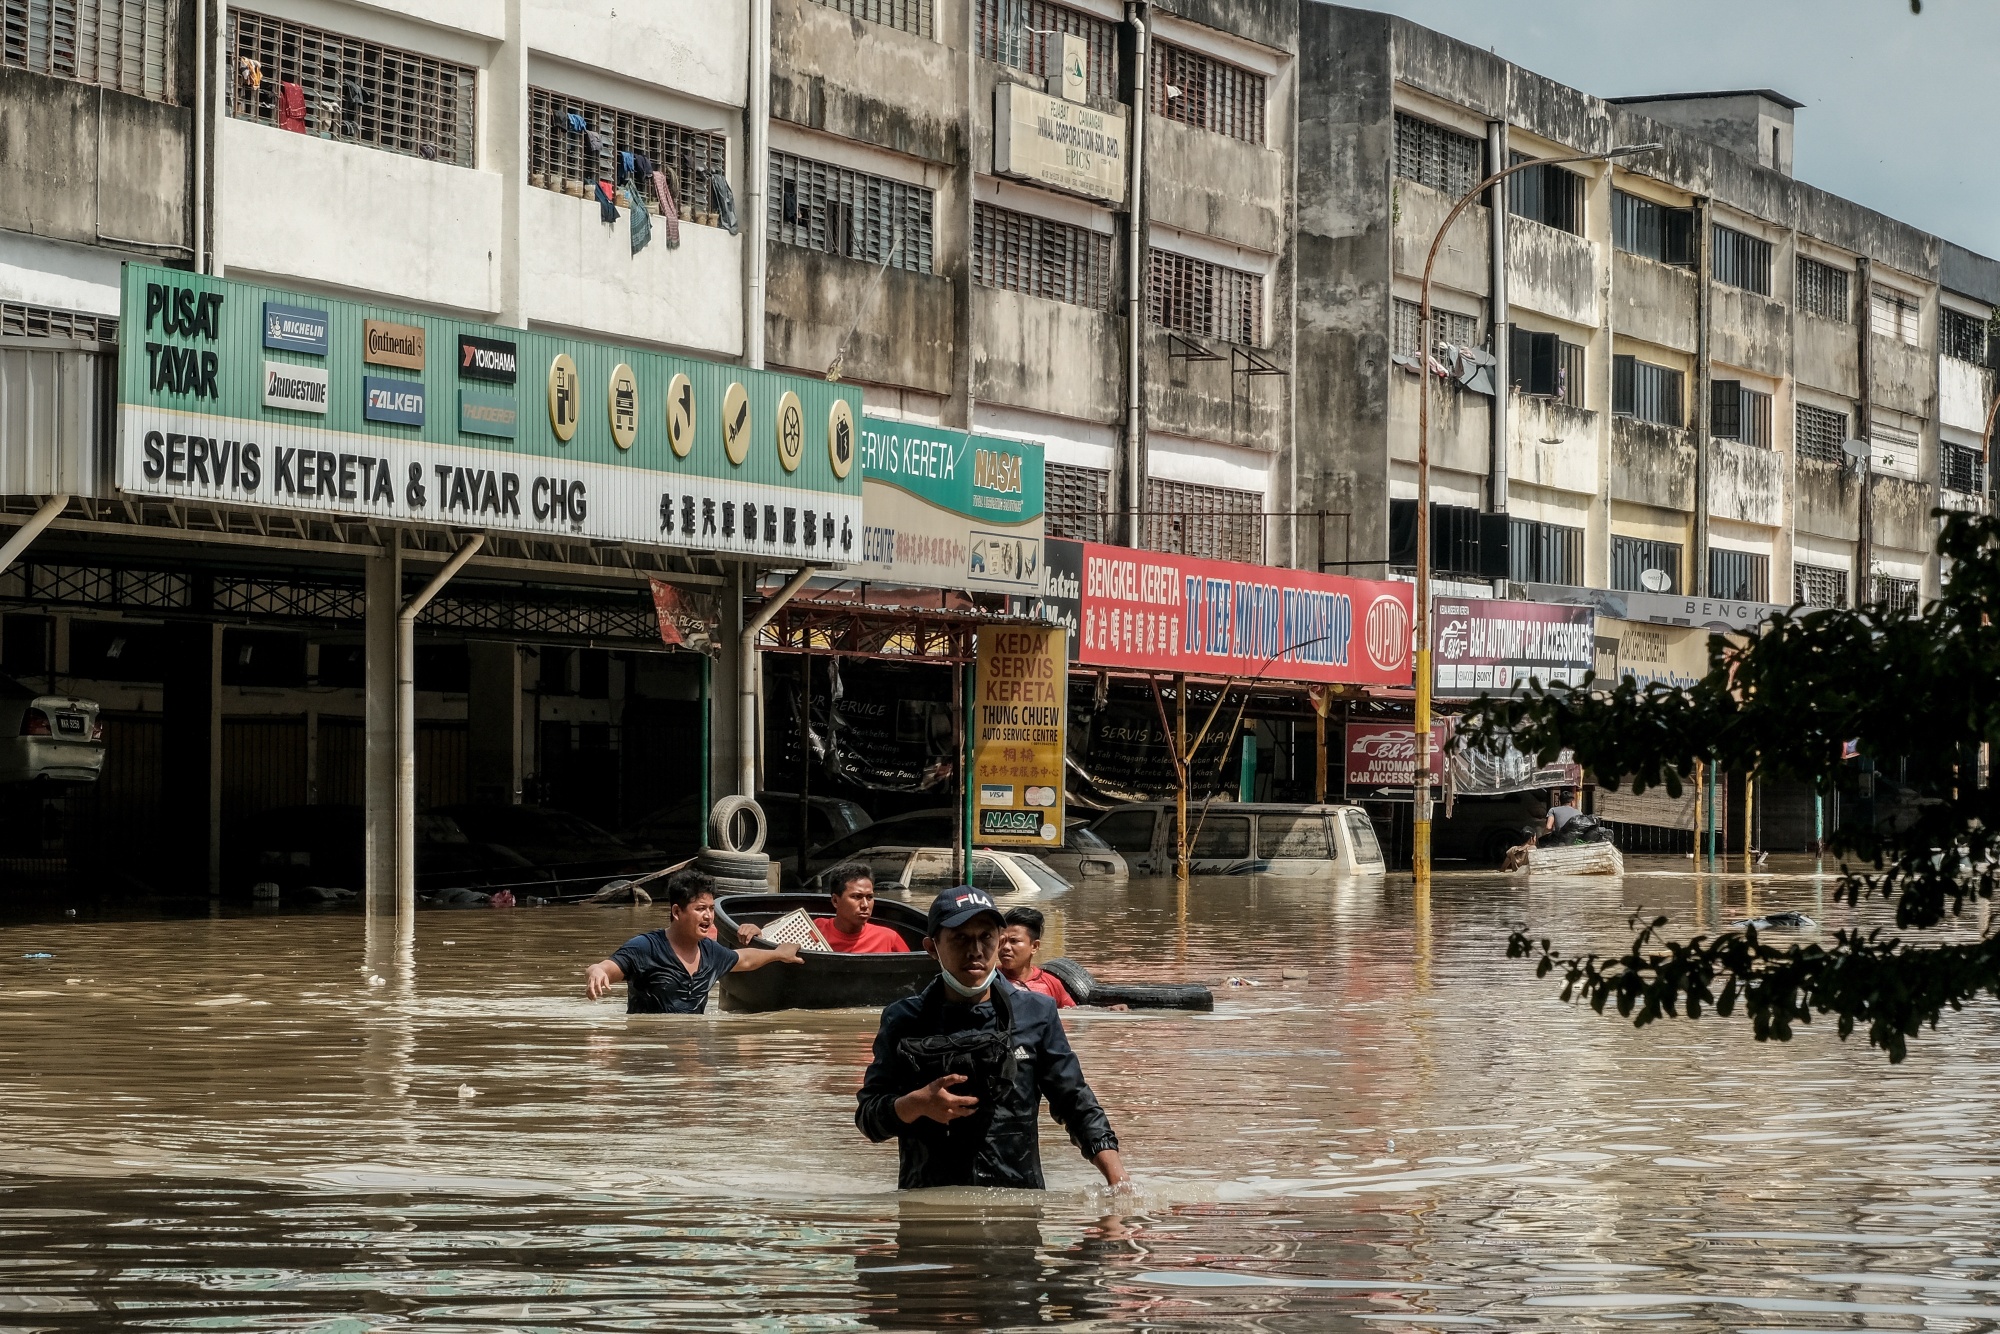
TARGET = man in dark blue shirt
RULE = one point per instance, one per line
(961, 1069)
(671, 971)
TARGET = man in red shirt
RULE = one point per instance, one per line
(849, 931)
(1019, 943)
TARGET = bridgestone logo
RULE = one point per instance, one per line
(298, 388)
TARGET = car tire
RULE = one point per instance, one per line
(1087, 990)
(725, 885)
(733, 865)
(723, 820)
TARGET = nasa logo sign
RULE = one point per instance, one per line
(1388, 632)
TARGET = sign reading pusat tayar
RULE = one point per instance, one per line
(1062, 144)
(1020, 695)
(232, 393)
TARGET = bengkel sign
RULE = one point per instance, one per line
(1153, 611)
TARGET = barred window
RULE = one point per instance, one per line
(1633, 558)
(1645, 391)
(1212, 521)
(1823, 290)
(1077, 501)
(1819, 585)
(1642, 227)
(903, 15)
(1544, 365)
(1544, 553)
(121, 44)
(1961, 469)
(1548, 195)
(1897, 594)
(362, 92)
(1742, 260)
(817, 206)
(1204, 300)
(1022, 253)
(1015, 32)
(19, 320)
(559, 157)
(1962, 337)
(1432, 155)
(1820, 434)
(1742, 575)
(1207, 93)
(1738, 413)
(1448, 325)
(1892, 314)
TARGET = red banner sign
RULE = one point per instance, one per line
(1384, 754)
(1158, 612)
(1486, 646)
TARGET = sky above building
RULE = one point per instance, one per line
(1897, 110)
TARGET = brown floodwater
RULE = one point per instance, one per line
(231, 1124)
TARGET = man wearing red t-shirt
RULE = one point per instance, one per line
(849, 931)
(1019, 943)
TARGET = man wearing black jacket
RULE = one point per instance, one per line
(961, 1069)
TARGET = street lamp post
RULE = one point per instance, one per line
(1420, 838)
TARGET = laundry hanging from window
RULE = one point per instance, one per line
(607, 208)
(292, 108)
(725, 202)
(670, 214)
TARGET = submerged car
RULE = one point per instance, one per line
(1081, 856)
(581, 857)
(324, 848)
(921, 873)
(57, 737)
(1246, 838)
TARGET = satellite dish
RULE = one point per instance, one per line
(1655, 581)
(1855, 449)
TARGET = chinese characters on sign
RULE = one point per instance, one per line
(1020, 694)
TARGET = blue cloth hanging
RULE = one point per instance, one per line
(576, 125)
(642, 222)
(624, 166)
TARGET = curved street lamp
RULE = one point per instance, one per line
(1420, 839)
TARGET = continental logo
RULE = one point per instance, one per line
(386, 344)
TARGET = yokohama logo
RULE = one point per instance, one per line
(1388, 632)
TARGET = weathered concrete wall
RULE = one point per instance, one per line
(1049, 356)
(1904, 378)
(1461, 431)
(1902, 514)
(1749, 331)
(1194, 399)
(92, 166)
(867, 81)
(1272, 23)
(1212, 185)
(1746, 483)
(1828, 500)
(1964, 391)
(1553, 272)
(1651, 465)
(1463, 260)
(1552, 444)
(1826, 354)
(904, 339)
(691, 46)
(1654, 301)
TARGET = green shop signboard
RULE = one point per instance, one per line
(951, 510)
(238, 394)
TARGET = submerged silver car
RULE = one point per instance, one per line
(57, 737)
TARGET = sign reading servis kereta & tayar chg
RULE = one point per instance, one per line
(238, 394)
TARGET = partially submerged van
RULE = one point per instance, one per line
(1246, 838)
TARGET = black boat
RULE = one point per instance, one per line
(823, 981)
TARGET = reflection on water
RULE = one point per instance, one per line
(284, 1122)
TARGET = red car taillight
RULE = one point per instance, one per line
(35, 723)
(97, 729)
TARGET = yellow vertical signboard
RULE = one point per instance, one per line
(1020, 707)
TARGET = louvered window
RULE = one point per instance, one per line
(1823, 290)
(1544, 553)
(1656, 231)
(1819, 585)
(1212, 521)
(1450, 326)
(1207, 93)
(559, 156)
(1742, 575)
(1544, 365)
(1962, 337)
(1015, 32)
(19, 320)
(1634, 558)
(1546, 194)
(1820, 434)
(1740, 414)
(1898, 594)
(1645, 391)
(121, 44)
(1078, 501)
(902, 15)
(839, 211)
(1893, 314)
(1432, 155)
(1742, 260)
(1203, 300)
(358, 91)
(1023, 253)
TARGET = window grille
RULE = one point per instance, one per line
(1961, 469)
(1645, 391)
(1820, 434)
(18, 320)
(1740, 414)
(1819, 585)
(1022, 253)
(1204, 300)
(362, 92)
(121, 44)
(1077, 500)
(903, 15)
(817, 206)
(1823, 290)
(1742, 575)
(561, 160)
(1207, 93)
(1892, 314)
(1449, 326)
(1569, 374)
(1212, 521)
(1544, 365)
(1632, 557)
(1548, 195)
(1432, 155)
(1655, 231)
(1898, 594)
(1962, 337)
(1014, 32)
(1742, 260)
(1544, 553)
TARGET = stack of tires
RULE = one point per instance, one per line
(735, 851)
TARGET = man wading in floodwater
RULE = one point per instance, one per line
(960, 1069)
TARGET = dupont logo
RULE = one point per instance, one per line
(1388, 632)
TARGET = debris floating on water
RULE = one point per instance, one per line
(1788, 921)
(1242, 982)
(38, 954)
(467, 1091)
(376, 981)
(1294, 975)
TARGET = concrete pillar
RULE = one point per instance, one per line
(191, 741)
(724, 757)
(384, 577)
(493, 723)
(506, 85)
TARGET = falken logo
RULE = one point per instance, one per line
(387, 400)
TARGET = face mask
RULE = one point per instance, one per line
(962, 990)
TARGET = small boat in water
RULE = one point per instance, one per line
(1575, 859)
(822, 981)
